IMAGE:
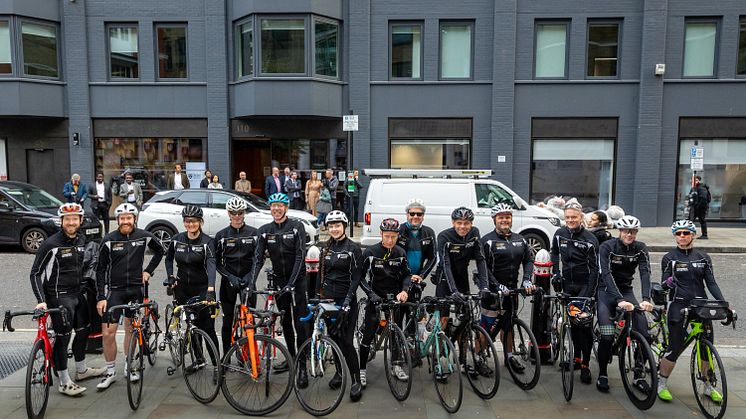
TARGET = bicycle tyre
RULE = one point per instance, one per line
(698, 384)
(555, 328)
(152, 334)
(396, 341)
(526, 349)
(485, 383)
(567, 361)
(237, 369)
(450, 372)
(596, 337)
(360, 321)
(636, 357)
(171, 337)
(38, 381)
(136, 365)
(321, 375)
(202, 376)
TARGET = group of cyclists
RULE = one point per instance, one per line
(409, 252)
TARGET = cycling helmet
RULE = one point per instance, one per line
(389, 224)
(336, 216)
(543, 263)
(192, 211)
(462, 213)
(278, 197)
(415, 203)
(581, 314)
(70, 209)
(628, 222)
(125, 209)
(236, 204)
(683, 225)
(502, 208)
(615, 212)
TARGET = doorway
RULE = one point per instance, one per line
(251, 156)
(40, 170)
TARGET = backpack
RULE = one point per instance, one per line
(709, 195)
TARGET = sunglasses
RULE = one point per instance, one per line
(683, 233)
(236, 213)
(416, 214)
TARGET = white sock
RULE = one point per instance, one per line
(661, 382)
(64, 377)
(81, 366)
(111, 368)
(363, 372)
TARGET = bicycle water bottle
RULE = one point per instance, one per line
(52, 337)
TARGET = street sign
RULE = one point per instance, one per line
(697, 159)
(349, 123)
(698, 153)
(697, 164)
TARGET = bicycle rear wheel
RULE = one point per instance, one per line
(567, 361)
(555, 328)
(152, 334)
(201, 366)
(446, 373)
(322, 362)
(398, 363)
(526, 352)
(478, 357)
(38, 380)
(135, 369)
(360, 322)
(708, 379)
(639, 371)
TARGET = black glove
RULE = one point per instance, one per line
(234, 282)
(342, 319)
(211, 296)
(557, 282)
(458, 297)
(374, 298)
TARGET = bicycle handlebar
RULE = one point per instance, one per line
(620, 312)
(36, 313)
(131, 306)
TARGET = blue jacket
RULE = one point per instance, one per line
(69, 192)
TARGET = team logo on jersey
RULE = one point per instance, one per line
(271, 238)
(138, 243)
(681, 266)
(616, 259)
(250, 240)
(343, 256)
(456, 248)
(117, 247)
(288, 236)
(517, 244)
(699, 265)
(580, 245)
(499, 246)
(66, 252)
(230, 243)
(197, 249)
(426, 241)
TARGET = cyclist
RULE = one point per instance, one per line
(385, 267)
(61, 268)
(686, 271)
(340, 270)
(234, 256)
(619, 258)
(285, 241)
(506, 252)
(418, 241)
(194, 254)
(120, 278)
(457, 246)
(577, 275)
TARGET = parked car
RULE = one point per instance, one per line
(161, 215)
(28, 215)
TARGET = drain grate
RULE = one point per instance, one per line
(13, 356)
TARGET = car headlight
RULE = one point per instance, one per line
(57, 222)
(555, 221)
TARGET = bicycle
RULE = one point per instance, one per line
(150, 317)
(322, 359)
(40, 364)
(136, 351)
(247, 365)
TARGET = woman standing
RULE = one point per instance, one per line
(313, 189)
(215, 183)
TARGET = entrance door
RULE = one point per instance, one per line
(251, 156)
(40, 166)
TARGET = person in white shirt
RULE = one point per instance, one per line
(178, 179)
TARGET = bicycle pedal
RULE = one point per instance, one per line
(170, 371)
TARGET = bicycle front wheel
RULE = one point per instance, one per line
(555, 329)
(38, 381)
(639, 371)
(526, 368)
(171, 338)
(201, 366)
(249, 384)
(322, 362)
(567, 361)
(708, 379)
(479, 359)
(446, 373)
(134, 371)
(398, 363)
(152, 334)
(360, 322)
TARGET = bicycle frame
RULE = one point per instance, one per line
(317, 311)
(42, 332)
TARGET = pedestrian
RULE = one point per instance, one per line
(292, 186)
(332, 183)
(177, 180)
(313, 189)
(286, 172)
(100, 197)
(242, 184)
(206, 180)
(598, 226)
(699, 203)
(215, 183)
(272, 183)
(75, 190)
(352, 193)
(323, 206)
(130, 192)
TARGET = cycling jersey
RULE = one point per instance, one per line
(286, 244)
(341, 270)
(454, 254)
(234, 252)
(504, 257)
(691, 270)
(121, 257)
(618, 263)
(61, 265)
(386, 270)
(419, 244)
(195, 260)
(577, 250)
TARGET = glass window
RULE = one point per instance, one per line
(603, 49)
(6, 62)
(219, 200)
(198, 198)
(283, 46)
(39, 49)
(551, 50)
(406, 51)
(172, 52)
(124, 52)
(244, 49)
(430, 153)
(741, 71)
(455, 50)
(699, 49)
(580, 168)
(327, 52)
(489, 195)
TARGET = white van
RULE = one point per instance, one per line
(391, 189)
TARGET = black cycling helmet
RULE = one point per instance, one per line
(462, 213)
(390, 224)
(192, 211)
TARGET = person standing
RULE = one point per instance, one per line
(286, 172)
(75, 190)
(598, 225)
(130, 191)
(699, 203)
(272, 183)
(323, 206)
(418, 240)
(332, 183)
(100, 196)
(177, 180)
(293, 188)
(206, 180)
(352, 194)
(215, 183)
(313, 190)
(242, 184)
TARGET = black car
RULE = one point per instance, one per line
(28, 215)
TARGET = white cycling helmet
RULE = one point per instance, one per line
(236, 204)
(336, 216)
(683, 225)
(125, 209)
(415, 203)
(502, 208)
(628, 222)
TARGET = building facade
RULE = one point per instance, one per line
(565, 98)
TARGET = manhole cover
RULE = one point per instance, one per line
(13, 356)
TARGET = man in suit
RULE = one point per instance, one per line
(101, 200)
(178, 179)
(332, 183)
(273, 184)
(130, 191)
(75, 190)
(243, 184)
(284, 178)
(206, 180)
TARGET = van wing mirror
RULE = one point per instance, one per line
(520, 203)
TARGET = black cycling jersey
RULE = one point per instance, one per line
(618, 263)
(454, 254)
(691, 270)
(577, 250)
(62, 266)
(234, 252)
(286, 244)
(195, 260)
(121, 257)
(340, 270)
(505, 256)
(386, 270)
(419, 241)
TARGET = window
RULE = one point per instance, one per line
(283, 46)
(741, 70)
(699, 49)
(489, 195)
(551, 50)
(326, 35)
(6, 62)
(455, 50)
(406, 51)
(244, 49)
(431, 153)
(198, 198)
(172, 52)
(39, 42)
(124, 57)
(603, 49)
(219, 200)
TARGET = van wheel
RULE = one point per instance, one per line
(536, 241)
(163, 234)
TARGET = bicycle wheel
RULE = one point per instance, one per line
(708, 379)
(38, 381)
(360, 323)
(446, 373)
(596, 337)
(659, 335)
(152, 334)
(171, 338)
(555, 327)
(478, 358)
(201, 366)
(398, 363)
(639, 371)
(322, 362)
(567, 361)
(135, 369)
(526, 352)
(261, 392)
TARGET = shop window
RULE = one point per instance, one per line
(244, 42)
(580, 168)
(431, 153)
(406, 51)
(6, 55)
(603, 49)
(699, 49)
(326, 50)
(123, 52)
(172, 51)
(283, 46)
(551, 50)
(39, 43)
(455, 50)
(741, 70)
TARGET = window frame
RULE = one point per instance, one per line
(716, 51)
(254, 59)
(12, 46)
(568, 27)
(167, 25)
(108, 27)
(604, 22)
(313, 20)
(258, 43)
(741, 24)
(445, 22)
(391, 24)
(18, 43)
